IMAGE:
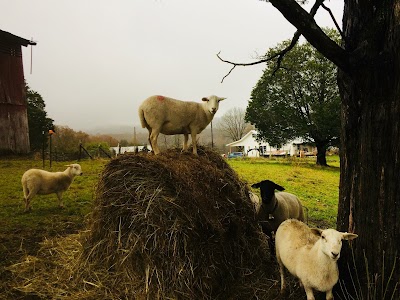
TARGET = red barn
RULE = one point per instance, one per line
(14, 131)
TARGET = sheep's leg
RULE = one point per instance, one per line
(194, 142)
(185, 141)
(329, 295)
(151, 145)
(60, 201)
(282, 272)
(27, 204)
(309, 292)
(153, 140)
(271, 243)
(28, 195)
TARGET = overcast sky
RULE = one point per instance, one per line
(95, 61)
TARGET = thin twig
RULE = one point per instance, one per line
(244, 64)
(279, 54)
(333, 19)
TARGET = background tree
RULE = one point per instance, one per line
(232, 124)
(93, 148)
(299, 100)
(123, 143)
(369, 85)
(100, 138)
(38, 122)
(67, 140)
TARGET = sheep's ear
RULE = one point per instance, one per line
(279, 188)
(220, 98)
(205, 99)
(316, 231)
(68, 166)
(349, 236)
(256, 185)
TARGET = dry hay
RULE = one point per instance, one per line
(172, 226)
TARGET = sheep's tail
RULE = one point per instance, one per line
(142, 118)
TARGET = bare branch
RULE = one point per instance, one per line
(333, 19)
(296, 36)
(244, 64)
(307, 26)
(280, 55)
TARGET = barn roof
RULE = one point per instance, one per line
(11, 38)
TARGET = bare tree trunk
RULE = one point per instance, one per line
(321, 153)
(369, 200)
(369, 82)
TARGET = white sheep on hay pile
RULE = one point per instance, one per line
(169, 116)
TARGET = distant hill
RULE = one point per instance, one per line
(126, 132)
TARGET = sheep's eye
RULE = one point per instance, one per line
(323, 237)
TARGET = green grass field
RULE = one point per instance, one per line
(21, 233)
(317, 187)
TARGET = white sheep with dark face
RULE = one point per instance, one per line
(36, 181)
(310, 254)
(169, 116)
(276, 208)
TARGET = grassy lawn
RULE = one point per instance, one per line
(317, 187)
(21, 233)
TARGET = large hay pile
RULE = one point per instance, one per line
(172, 226)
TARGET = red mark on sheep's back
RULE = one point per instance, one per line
(160, 98)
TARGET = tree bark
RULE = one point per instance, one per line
(369, 198)
(321, 153)
(369, 82)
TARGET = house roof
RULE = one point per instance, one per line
(238, 142)
(297, 141)
(11, 38)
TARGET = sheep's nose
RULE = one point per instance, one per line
(334, 255)
(213, 110)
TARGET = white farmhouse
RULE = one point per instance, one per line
(253, 148)
(121, 150)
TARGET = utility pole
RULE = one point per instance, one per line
(212, 136)
(134, 137)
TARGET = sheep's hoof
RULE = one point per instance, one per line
(283, 293)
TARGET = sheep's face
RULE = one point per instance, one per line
(267, 190)
(212, 103)
(75, 169)
(331, 241)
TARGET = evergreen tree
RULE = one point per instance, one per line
(38, 122)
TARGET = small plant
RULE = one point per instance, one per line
(377, 286)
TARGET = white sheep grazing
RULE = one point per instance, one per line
(35, 181)
(169, 116)
(310, 254)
